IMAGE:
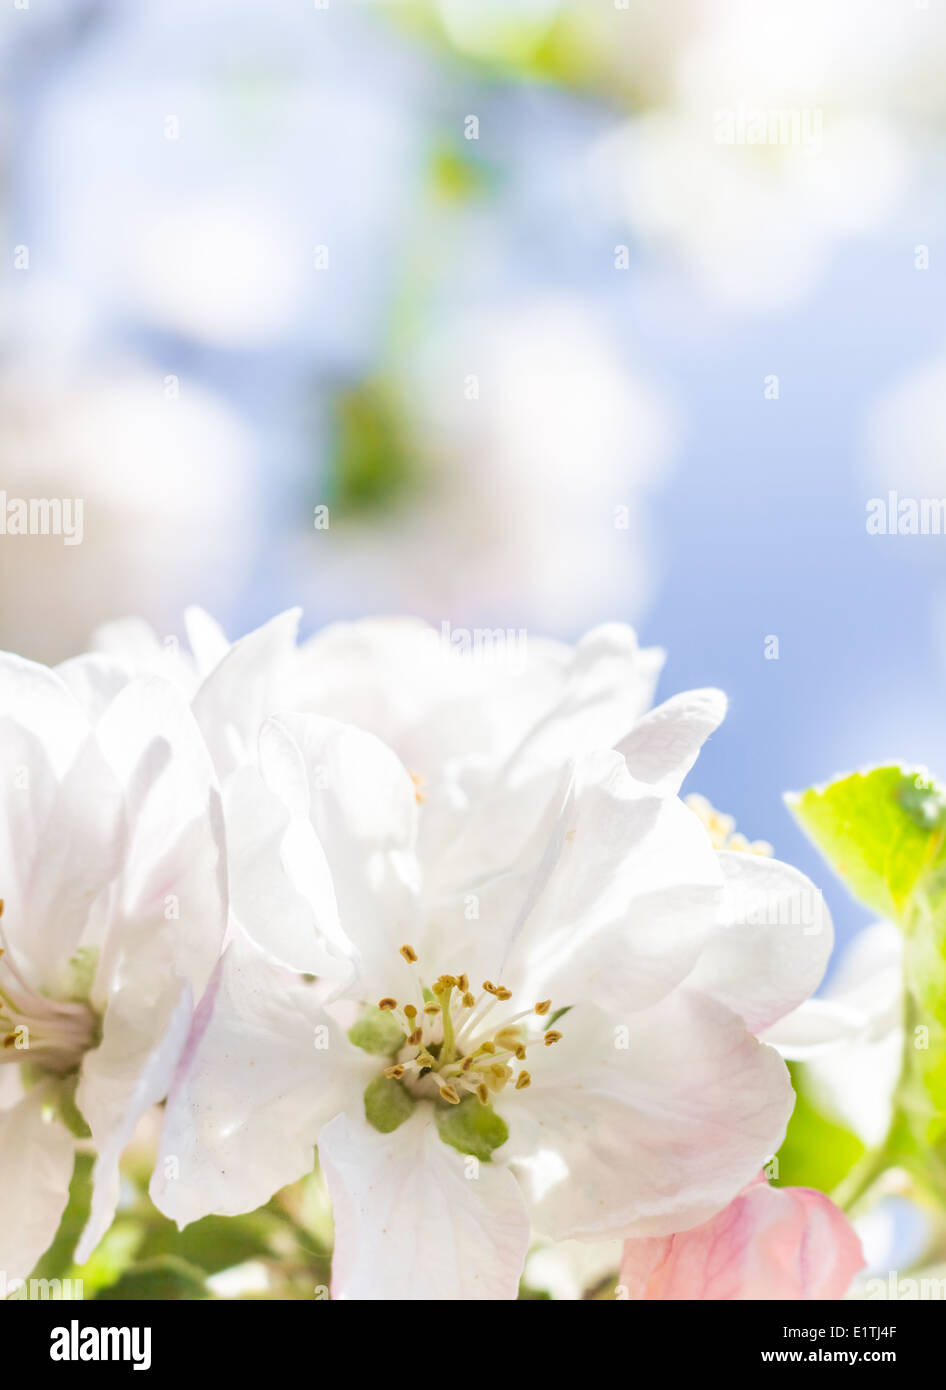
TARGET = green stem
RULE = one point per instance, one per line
(852, 1189)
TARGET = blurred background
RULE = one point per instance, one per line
(503, 312)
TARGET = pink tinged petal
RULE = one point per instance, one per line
(769, 1243)
(36, 1158)
(415, 1219)
(772, 944)
(263, 1069)
(249, 685)
(647, 1124)
(663, 746)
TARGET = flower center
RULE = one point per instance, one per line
(44, 1032)
(455, 1043)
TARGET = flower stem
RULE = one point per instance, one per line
(852, 1189)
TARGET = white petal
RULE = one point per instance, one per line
(869, 978)
(606, 687)
(173, 890)
(94, 680)
(166, 930)
(207, 639)
(263, 1069)
(814, 1027)
(36, 1158)
(628, 902)
(772, 946)
(862, 1002)
(134, 644)
(362, 807)
(39, 700)
(664, 744)
(647, 1125)
(436, 695)
(280, 885)
(416, 1220)
(61, 845)
(128, 1072)
(249, 684)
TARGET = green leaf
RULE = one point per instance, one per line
(377, 1032)
(387, 1103)
(167, 1277)
(472, 1127)
(57, 1261)
(817, 1151)
(215, 1242)
(884, 832)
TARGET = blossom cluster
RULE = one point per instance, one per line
(436, 911)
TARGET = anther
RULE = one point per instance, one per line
(387, 1004)
(449, 1093)
(543, 1007)
(552, 1036)
(409, 954)
(523, 1080)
